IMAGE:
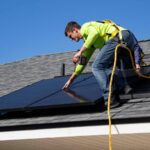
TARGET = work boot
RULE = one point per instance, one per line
(114, 102)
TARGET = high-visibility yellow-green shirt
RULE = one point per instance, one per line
(94, 34)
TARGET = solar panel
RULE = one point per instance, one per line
(79, 93)
(49, 93)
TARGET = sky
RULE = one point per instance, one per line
(31, 28)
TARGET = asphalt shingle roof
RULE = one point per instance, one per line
(19, 74)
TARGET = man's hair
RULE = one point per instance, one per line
(70, 26)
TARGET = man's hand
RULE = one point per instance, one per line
(76, 57)
(138, 67)
(70, 80)
(78, 54)
(67, 84)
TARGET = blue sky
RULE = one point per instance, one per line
(36, 27)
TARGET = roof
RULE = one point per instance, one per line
(72, 127)
(19, 74)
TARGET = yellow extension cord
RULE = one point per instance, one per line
(110, 86)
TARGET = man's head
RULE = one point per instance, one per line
(72, 31)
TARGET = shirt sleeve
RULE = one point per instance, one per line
(91, 38)
(80, 67)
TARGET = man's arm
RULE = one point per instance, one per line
(78, 54)
(80, 66)
(70, 80)
(91, 38)
(137, 55)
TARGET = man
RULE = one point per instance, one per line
(104, 35)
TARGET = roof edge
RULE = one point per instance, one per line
(75, 131)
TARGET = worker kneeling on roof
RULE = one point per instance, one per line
(105, 35)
